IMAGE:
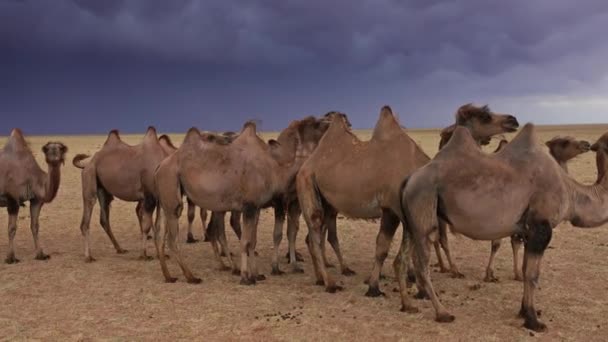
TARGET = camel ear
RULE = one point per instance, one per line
(45, 148)
(64, 149)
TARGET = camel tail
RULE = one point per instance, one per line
(77, 161)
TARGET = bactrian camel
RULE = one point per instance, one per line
(361, 179)
(123, 171)
(519, 190)
(22, 180)
(244, 176)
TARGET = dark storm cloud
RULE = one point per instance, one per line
(371, 51)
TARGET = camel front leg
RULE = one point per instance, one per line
(160, 250)
(104, 217)
(388, 226)
(293, 225)
(35, 208)
(490, 278)
(216, 224)
(401, 268)
(235, 223)
(248, 275)
(277, 235)
(146, 222)
(516, 243)
(191, 216)
(13, 214)
(332, 237)
(539, 236)
(443, 241)
(172, 235)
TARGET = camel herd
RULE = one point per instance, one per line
(317, 168)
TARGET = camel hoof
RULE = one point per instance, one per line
(409, 309)
(535, 325)
(518, 278)
(374, 292)
(421, 295)
(382, 277)
(145, 258)
(348, 272)
(457, 275)
(445, 318)
(194, 280)
(490, 279)
(276, 271)
(320, 283)
(299, 257)
(191, 239)
(170, 280)
(247, 281)
(297, 270)
(149, 237)
(444, 270)
(260, 277)
(223, 254)
(122, 251)
(11, 260)
(411, 277)
(89, 259)
(224, 268)
(333, 289)
(42, 256)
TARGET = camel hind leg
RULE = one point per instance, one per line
(490, 278)
(388, 226)
(191, 217)
(148, 205)
(332, 237)
(293, 225)
(13, 214)
(35, 207)
(277, 234)
(516, 243)
(105, 198)
(172, 226)
(213, 232)
(443, 241)
(249, 274)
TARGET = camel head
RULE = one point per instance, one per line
(566, 148)
(483, 123)
(54, 153)
(600, 147)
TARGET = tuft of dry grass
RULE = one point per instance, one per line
(121, 297)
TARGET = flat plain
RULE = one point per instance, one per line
(120, 297)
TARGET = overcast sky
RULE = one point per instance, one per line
(87, 66)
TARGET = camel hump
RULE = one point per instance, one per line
(16, 133)
(193, 135)
(525, 139)
(151, 130)
(167, 141)
(113, 137)
(461, 140)
(16, 141)
(250, 127)
(387, 126)
(151, 135)
(386, 110)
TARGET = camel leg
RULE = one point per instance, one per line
(104, 217)
(213, 233)
(35, 208)
(277, 235)
(388, 226)
(147, 211)
(235, 223)
(191, 216)
(516, 245)
(203, 214)
(253, 260)
(490, 278)
(293, 225)
(13, 214)
(172, 235)
(440, 263)
(160, 250)
(443, 240)
(332, 237)
(89, 195)
(250, 214)
(221, 237)
(423, 277)
(401, 267)
(536, 243)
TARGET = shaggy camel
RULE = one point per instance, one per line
(22, 180)
(243, 176)
(123, 171)
(563, 149)
(235, 217)
(361, 179)
(519, 190)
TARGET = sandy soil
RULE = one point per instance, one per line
(122, 298)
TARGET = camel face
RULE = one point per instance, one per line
(485, 123)
(566, 148)
(601, 144)
(54, 152)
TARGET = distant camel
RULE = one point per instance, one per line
(361, 179)
(123, 171)
(520, 190)
(22, 180)
(243, 176)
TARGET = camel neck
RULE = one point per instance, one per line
(601, 161)
(52, 182)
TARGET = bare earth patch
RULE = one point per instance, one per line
(121, 297)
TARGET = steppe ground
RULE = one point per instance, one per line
(122, 298)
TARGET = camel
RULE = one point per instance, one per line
(123, 171)
(244, 176)
(519, 190)
(562, 149)
(235, 217)
(22, 180)
(361, 179)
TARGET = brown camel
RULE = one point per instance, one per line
(22, 180)
(235, 217)
(123, 171)
(563, 149)
(361, 179)
(519, 190)
(244, 176)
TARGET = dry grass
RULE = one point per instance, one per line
(120, 297)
